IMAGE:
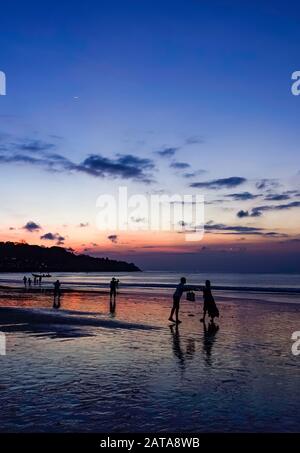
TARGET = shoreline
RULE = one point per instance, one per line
(39, 294)
(68, 286)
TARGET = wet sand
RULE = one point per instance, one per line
(87, 367)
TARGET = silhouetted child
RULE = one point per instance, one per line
(25, 281)
(29, 282)
(209, 305)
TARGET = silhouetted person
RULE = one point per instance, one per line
(25, 281)
(56, 302)
(180, 288)
(40, 279)
(209, 305)
(29, 282)
(113, 289)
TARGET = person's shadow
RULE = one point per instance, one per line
(209, 337)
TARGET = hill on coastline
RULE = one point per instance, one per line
(19, 257)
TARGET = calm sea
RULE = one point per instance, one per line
(270, 283)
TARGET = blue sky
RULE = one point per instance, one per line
(209, 78)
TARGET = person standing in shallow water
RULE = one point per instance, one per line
(113, 289)
(180, 289)
(56, 301)
(209, 305)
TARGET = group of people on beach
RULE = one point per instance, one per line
(28, 281)
(209, 306)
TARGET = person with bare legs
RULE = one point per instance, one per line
(180, 289)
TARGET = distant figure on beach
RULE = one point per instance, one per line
(56, 302)
(25, 281)
(180, 289)
(113, 289)
(40, 279)
(29, 281)
(209, 305)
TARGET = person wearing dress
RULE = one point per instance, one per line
(209, 305)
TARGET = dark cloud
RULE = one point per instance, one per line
(258, 211)
(253, 213)
(167, 152)
(35, 146)
(193, 174)
(221, 228)
(233, 181)
(210, 226)
(267, 184)
(125, 166)
(32, 226)
(179, 165)
(23, 158)
(53, 237)
(83, 225)
(242, 214)
(242, 196)
(194, 140)
(113, 238)
(277, 197)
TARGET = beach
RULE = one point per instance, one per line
(88, 368)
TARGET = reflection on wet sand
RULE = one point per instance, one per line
(112, 307)
(209, 334)
(179, 353)
(189, 378)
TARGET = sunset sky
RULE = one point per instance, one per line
(188, 97)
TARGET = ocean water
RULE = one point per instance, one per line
(272, 287)
(91, 280)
